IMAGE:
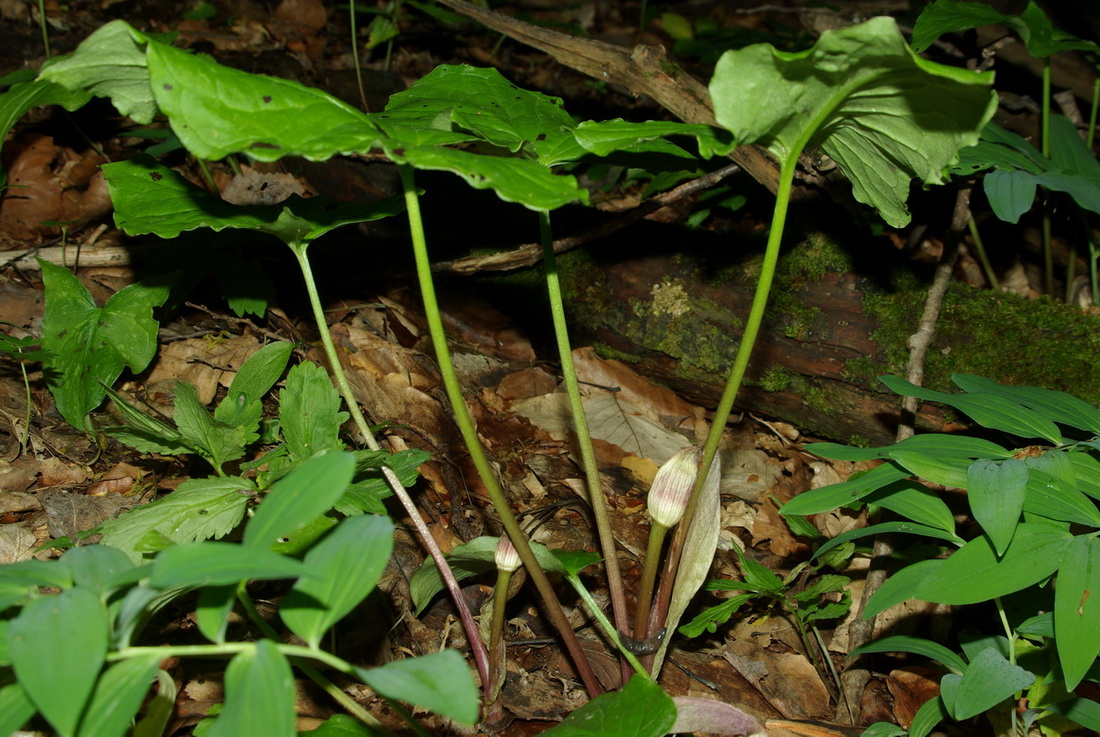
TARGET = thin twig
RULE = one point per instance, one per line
(531, 253)
(861, 630)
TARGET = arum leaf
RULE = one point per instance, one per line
(862, 96)
(108, 63)
(484, 103)
(151, 198)
(216, 111)
(88, 345)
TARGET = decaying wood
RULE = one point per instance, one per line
(677, 318)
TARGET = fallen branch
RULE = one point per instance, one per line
(642, 70)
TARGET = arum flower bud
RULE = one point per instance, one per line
(506, 557)
(668, 497)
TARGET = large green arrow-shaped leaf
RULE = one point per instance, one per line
(151, 198)
(885, 115)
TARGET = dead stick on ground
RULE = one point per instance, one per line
(531, 253)
(860, 631)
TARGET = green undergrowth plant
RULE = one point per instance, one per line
(884, 114)
(1035, 559)
(77, 655)
(1056, 165)
(861, 95)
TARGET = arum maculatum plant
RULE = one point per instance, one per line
(860, 95)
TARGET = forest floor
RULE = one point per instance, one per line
(56, 482)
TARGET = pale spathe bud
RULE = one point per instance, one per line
(506, 557)
(671, 489)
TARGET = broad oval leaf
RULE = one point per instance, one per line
(996, 491)
(440, 682)
(57, 646)
(975, 573)
(1076, 610)
(989, 679)
(346, 565)
(300, 497)
(885, 115)
(259, 695)
(641, 709)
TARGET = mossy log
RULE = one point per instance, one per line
(831, 330)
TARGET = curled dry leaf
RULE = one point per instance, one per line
(50, 184)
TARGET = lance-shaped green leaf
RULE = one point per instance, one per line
(976, 573)
(150, 198)
(109, 63)
(301, 496)
(440, 682)
(1076, 610)
(1063, 408)
(57, 645)
(862, 96)
(89, 345)
(1019, 168)
(1033, 26)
